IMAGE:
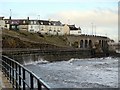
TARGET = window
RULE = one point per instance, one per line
(42, 23)
(31, 26)
(24, 22)
(34, 22)
(31, 29)
(6, 21)
(42, 27)
(31, 22)
(5, 25)
(12, 22)
(58, 30)
(13, 27)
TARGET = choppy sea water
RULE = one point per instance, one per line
(77, 73)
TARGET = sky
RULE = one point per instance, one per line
(101, 15)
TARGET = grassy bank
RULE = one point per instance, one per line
(24, 39)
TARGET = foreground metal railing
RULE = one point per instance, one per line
(20, 77)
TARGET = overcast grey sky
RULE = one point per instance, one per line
(102, 13)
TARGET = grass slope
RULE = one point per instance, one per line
(24, 39)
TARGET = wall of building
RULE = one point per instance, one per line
(66, 29)
(33, 28)
(2, 24)
(23, 27)
(75, 32)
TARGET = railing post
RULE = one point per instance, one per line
(3, 64)
(13, 73)
(5, 67)
(10, 72)
(16, 76)
(31, 81)
(23, 78)
(19, 77)
(39, 85)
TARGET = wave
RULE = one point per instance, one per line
(40, 61)
(76, 59)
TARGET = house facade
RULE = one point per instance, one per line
(16, 24)
(74, 30)
(46, 27)
(66, 29)
(41, 26)
(2, 23)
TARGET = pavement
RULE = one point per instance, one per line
(4, 83)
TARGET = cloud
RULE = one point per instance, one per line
(105, 20)
(102, 18)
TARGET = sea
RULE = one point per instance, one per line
(75, 72)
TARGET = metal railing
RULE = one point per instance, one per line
(20, 77)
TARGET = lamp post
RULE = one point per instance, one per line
(39, 22)
(92, 28)
(95, 30)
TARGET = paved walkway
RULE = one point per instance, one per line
(4, 83)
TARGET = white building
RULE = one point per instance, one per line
(33, 26)
(41, 26)
(2, 23)
(46, 27)
(74, 30)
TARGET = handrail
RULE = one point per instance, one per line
(16, 74)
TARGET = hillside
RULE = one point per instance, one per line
(24, 39)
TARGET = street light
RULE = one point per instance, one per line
(10, 12)
(39, 22)
(95, 30)
(92, 28)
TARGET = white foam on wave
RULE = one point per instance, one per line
(40, 61)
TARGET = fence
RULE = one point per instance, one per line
(20, 77)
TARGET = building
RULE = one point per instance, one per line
(74, 30)
(16, 24)
(66, 29)
(33, 26)
(2, 23)
(46, 27)
(41, 26)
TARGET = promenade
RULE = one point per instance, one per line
(4, 83)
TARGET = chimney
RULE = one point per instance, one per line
(10, 17)
(28, 18)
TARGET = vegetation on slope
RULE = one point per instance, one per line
(24, 39)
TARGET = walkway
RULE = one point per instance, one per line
(4, 83)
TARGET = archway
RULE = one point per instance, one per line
(86, 43)
(90, 43)
(81, 43)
